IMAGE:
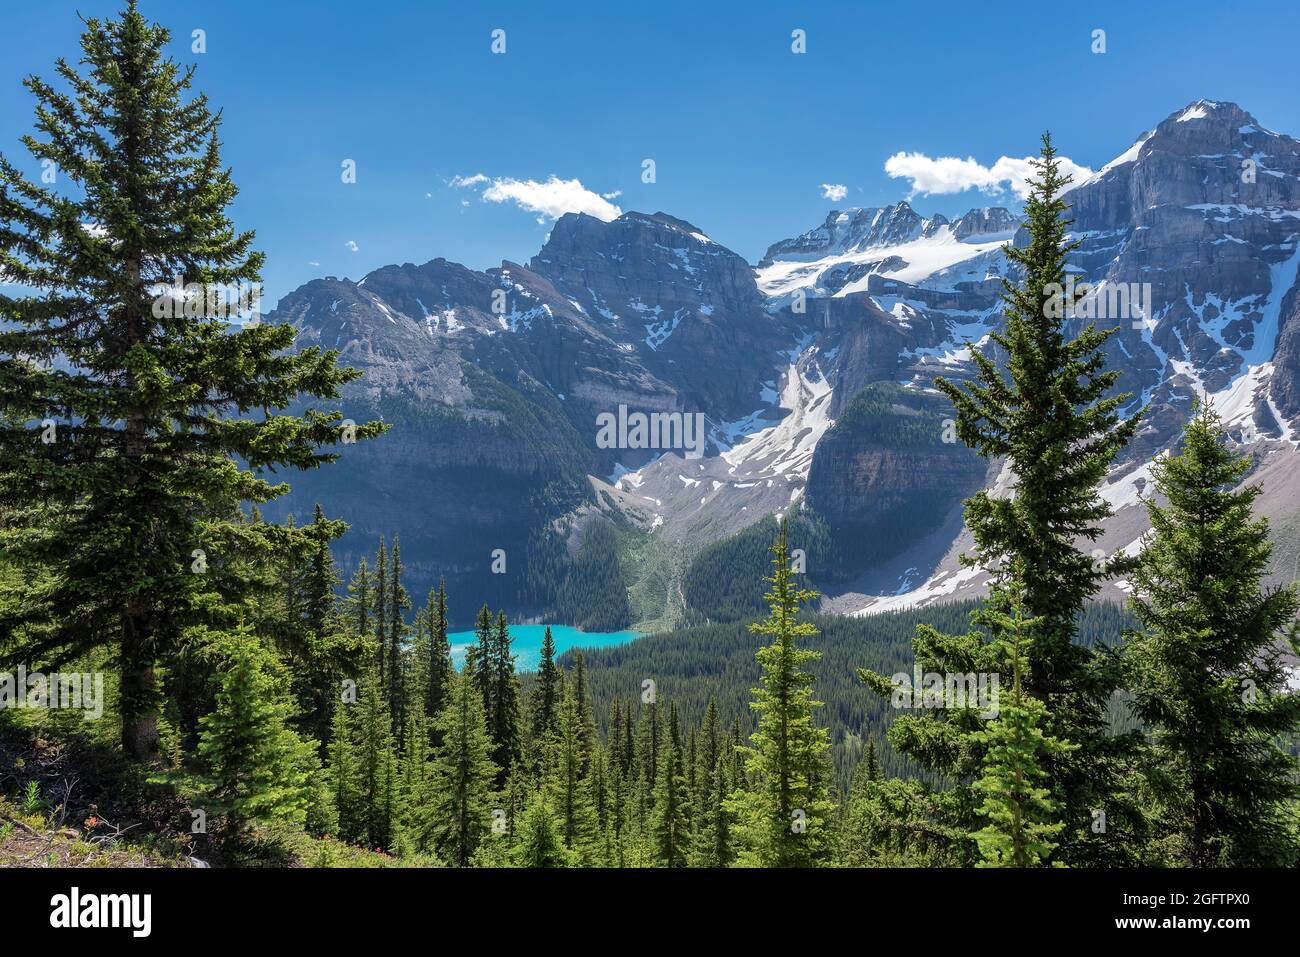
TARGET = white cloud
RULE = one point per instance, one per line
(834, 191)
(312, 263)
(351, 246)
(614, 195)
(948, 174)
(550, 199)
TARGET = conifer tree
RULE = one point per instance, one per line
(571, 798)
(462, 774)
(359, 598)
(617, 798)
(708, 814)
(868, 769)
(257, 769)
(541, 843)
(515, 799)
(485, 671)
(545, 701)
(438, 657)
(1206, 672)
(1018, 810)
(415, 833)
(649, 737)
(329, 652)
(132, 512)
(582, 700)
(1053, 416)
(399, 601)
(322, 578)
(783, 817)
(344, 776)
(670, 829)
(598, 795)
(380, 598)
(503, 721)
(378, 764)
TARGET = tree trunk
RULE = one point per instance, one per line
(139, 708)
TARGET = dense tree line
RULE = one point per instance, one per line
(724, 582)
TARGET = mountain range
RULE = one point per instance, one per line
(813, 371)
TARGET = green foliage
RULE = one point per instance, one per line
(540, 841)
(570, 797)
(593, 595)
(724, 582)
(670, 827)
(257, 769)
(462, 774)
(132, 511)
(350, 810)
(1054, 418)
(1019, 831)
(1206, 668)
(783, 814)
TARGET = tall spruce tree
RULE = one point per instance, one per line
(344, 777)
(1206, 672)
(359, 598)
(399, 601)
(329, 651)
(670, 828)
(379, 597)
(783, 817)
(131, 510)
(1052, 415)
(709, 833)
(377, 759)
(484, 670)
(503, 723)
(414, 833)
(545, 700)
(438, 667)
(586, 712)
(568, 789)
(462, 774)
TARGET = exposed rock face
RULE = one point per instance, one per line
(684, 306)
(989, 221)
(884, 475)
(854, 230)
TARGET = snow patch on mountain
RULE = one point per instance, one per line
(930, 250)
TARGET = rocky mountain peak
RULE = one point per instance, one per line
(989, 221)
(849, 231)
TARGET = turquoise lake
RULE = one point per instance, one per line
(526, 642)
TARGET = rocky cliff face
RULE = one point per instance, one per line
(685, 307)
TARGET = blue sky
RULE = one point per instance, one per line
(743, 132)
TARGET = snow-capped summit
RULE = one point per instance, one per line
(839, 257)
